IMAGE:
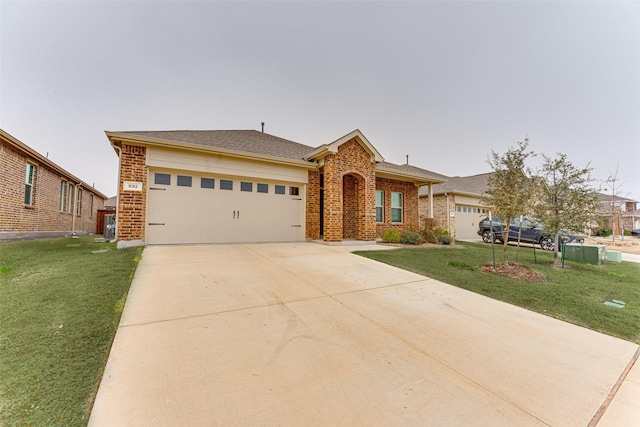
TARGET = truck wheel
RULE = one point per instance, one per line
(547, 244)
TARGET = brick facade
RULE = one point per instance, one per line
(43, 217)
(313, 206)
(340, 196)
(350, 170)
(132, 204)
(410, 220)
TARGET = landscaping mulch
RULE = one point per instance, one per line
(513, 271)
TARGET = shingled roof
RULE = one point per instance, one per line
(468, 185)
(248, 141)
(260, 143)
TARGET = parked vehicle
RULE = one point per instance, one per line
(530, 230)
(635, 232)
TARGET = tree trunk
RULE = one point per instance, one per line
(556, 247)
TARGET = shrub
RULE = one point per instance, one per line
(445, 240)
(411, 238)
(603, 232)
(428, 227)
(441, 232)
(627, 232)
(391, 236)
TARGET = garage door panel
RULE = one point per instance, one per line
(203, 215)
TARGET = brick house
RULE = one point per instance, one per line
(456, 204)
(248, 186)
(618, 213)
(39, 198)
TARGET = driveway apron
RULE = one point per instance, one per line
(303, 334)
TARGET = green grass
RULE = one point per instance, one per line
(575, 293)
(60, 305)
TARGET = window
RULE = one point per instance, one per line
(184, 181)
(162, 179)
(90, 205)
(263, 188)
(379, 206)
(294, 191)
(459, 208)
(207, 183)
(28, 185)
(396, 207)
(246, 186)
(79, 203)
(280, 189)
(70, 188)
(226, 184)
(63, 195)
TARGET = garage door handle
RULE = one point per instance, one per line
(238, 214)
(156, 223)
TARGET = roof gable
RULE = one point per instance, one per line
(332, 148)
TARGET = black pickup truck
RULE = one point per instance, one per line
(530, 232)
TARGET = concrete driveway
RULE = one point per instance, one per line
(311, 335)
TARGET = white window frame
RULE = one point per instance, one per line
(70, 198)
(79, 202)
(380, 205)
(395, 208)
(29, 181)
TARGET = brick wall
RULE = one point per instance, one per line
(43, 217)
(354, 161)
(410, 220)
(132, 204)
(313, 206)
(440, 212)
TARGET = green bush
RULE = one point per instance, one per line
(441, 232)
(603, 232)
(445, 240)
(627, 232)
(411, 238)
(391, 236)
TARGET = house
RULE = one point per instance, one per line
(39, 198)
(456, 204)
(618, 213)
(224, 186)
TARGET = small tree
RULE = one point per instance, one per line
(565, 198)
(613, 184)
(509, 188)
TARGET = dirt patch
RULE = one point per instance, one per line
(513, 271)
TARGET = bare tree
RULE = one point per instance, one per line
(613, 184)
(565, 198)
(509, 188)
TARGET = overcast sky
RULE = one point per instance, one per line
(442, 82)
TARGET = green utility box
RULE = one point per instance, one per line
(614, 256)
(591, 254)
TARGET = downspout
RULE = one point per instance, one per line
(119, 151)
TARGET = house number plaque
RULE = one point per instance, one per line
(132, 186)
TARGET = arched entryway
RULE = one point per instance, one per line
(353, 207)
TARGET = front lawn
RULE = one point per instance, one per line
(575, 293)
(61, 301)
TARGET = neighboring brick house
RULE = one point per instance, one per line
(249, 186)
(39, 198)
(618, 213)
(456, 204)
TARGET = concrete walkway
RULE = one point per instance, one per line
(311, 335)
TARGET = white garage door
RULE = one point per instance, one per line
(192, 208)
(467, 219)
